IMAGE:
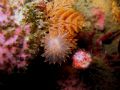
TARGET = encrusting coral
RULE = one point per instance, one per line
(34, 15)
(18, 42)
(14, 48)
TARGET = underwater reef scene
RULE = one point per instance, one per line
(60, 44)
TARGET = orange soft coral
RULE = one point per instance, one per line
(116, 11)
(3, 2)
(63, 14)
(69, 17)
(56, 4)
(65, 22)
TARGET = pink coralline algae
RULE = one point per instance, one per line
(3, 17)
(81, 59)
(18, 36)
(14, 48)
(100, 16)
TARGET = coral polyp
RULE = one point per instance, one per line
(18, 42)
(57, 46)
(14, 48)
(56, 4)
(116, 11)
(73, 44)
(72, 20)
(64, 24)
(34, 14)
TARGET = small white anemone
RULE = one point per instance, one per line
(57, 48)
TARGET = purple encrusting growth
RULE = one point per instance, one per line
(14, 48)
(14, 42)
(20, 34)
(3, 17)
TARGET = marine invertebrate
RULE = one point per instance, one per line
(18, 41)
(65, 15)
(116, 11)
(65, 23)
(83, 6)
(94, 15)
(14, 48)
(3, 2)
(72, 20)
(56, 4)
(100, 16)
(3, 17)
(12, 10)
(35, 16)
(81, 59)
(86, 6)
(16, 4)
(57, 46)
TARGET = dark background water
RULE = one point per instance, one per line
(39, 75)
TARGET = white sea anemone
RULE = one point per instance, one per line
(57, 47)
